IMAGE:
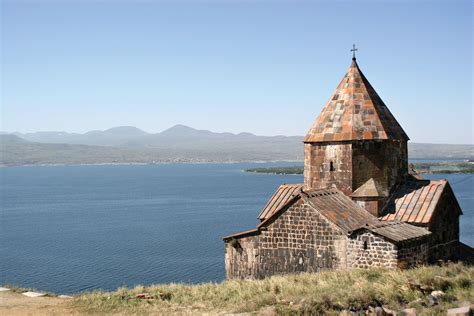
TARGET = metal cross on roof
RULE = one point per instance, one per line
(353, 50)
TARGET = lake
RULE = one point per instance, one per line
(67, 229)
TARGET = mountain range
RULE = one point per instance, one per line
(179, 143)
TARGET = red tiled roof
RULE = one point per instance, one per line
(414, 201)
(251, 232)
(398, 231)
(355, 112)
(283, 194)
(339, 209)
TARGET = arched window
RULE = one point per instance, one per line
(331, 166)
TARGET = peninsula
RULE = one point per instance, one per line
(445, 167)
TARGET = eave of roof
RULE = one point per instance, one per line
(396, 231)
(265, 222)
(282, 195)
(251, 232)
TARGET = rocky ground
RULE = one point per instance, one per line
(13, 303)
(432, 290)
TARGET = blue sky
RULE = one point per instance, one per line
(266, 67)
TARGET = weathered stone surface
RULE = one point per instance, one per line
(445, 229)
(412, 253)
(328, 164)
(366, 250)
(409, 312)
(33, 294)
(460, 311)
(349, 165)
(386, 162)
(387, 311)
(437, 294)
(300, 240)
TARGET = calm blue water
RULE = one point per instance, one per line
(75, 228)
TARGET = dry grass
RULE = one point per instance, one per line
(326, 292)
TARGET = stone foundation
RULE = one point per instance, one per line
(413, 253)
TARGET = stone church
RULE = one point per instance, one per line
(359, 205)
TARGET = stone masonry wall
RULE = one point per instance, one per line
(444, 227)
(349, 165)
(241, 257)
(365, 249)
(318, 159)
(371, 205)
(300, 240)
(413, 253)
(384, 161)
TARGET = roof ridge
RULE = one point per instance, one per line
(376, 108)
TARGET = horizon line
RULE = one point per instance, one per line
(4, 132)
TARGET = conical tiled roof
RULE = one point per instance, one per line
(355, 112)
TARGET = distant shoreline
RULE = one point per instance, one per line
(421, 164)
(447, 167)
(180, 144)
(147, 164)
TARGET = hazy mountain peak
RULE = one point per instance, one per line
(245, 134)
(179, 128)
(126, 131)
(10, 138)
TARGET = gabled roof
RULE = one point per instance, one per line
(415, 201)
(369, 189)
(283, 194)
(355, 112)
(339, 209)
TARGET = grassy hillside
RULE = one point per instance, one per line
(15, 151)
(326, 292)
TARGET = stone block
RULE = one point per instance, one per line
(409, 312)
(460, 311)
(33, 294)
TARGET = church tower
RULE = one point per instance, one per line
(355, 141)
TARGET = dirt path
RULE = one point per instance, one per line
(12, 303)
